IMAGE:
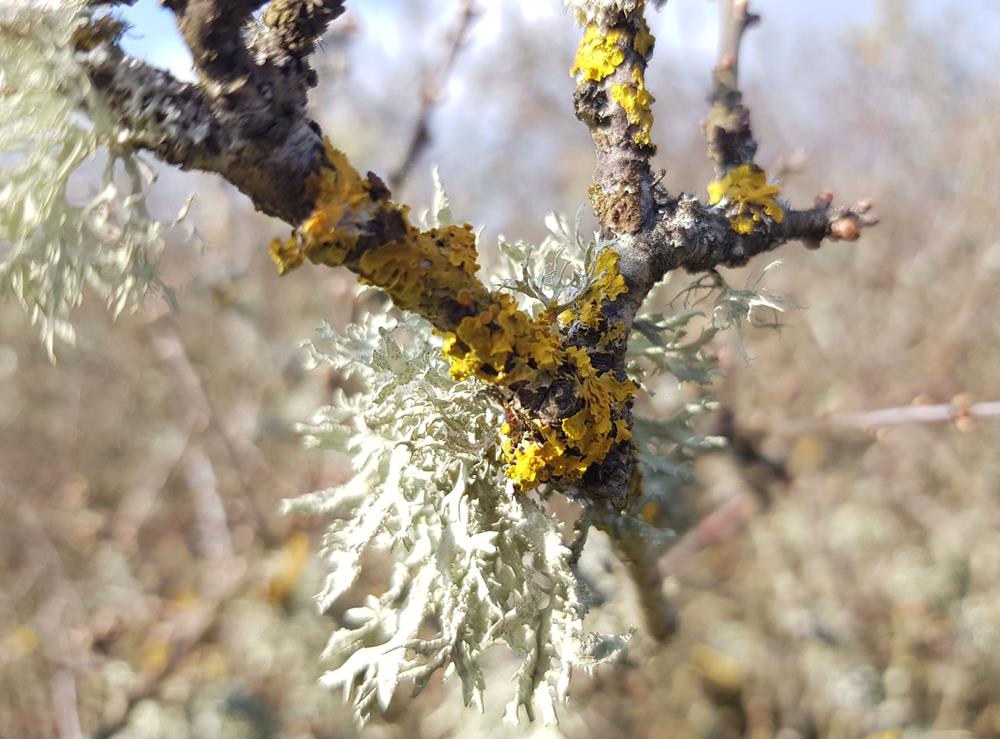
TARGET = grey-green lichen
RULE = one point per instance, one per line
(52, 246)
(481, 562)
(476, 563)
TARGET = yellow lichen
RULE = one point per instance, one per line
(608, 284)
(539, 451)
(598, 54)
(649, 512)
(285, 254)
(636, 100)
(644, 40)
(494, 340)
(747, 187)
(502, 345)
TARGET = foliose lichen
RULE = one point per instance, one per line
(598, 54)
(636, 100)
(484, 334)
(750, 196)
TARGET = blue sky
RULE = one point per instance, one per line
(687, 24)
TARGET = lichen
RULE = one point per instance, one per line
(484, 335)
(420, 270)
(503, 346)
(750, 195)
(598, 54)
(607, 286)
(636, 100)
(644, 40)
(538, 451)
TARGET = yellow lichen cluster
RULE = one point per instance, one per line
(598, 54)
(608, 284)
(644, 40)
(568, 448)
(417, 268)
(747, 187)
(342, 201)
(495, 341)
(635, 99)
(501, 345)
(539, 451)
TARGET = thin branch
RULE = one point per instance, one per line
(956, 413)
(290, 31)
(213, 31)
(727, 127)
(432, 91)
(641, 562)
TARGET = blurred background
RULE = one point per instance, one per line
(844, 581)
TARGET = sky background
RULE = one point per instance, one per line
(688, 25)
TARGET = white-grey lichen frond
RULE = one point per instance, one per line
(554, 274)
(481, 562)
(733, 307)
(51, 124)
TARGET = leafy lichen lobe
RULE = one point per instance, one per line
(485, 334)
(747, 189)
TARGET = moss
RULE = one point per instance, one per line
(751, 196)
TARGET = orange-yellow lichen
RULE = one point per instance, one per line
(567, 448)
(608, 284)
(598, 54)
(341, 202)
(498, 343)
(747, 187)
(417, 268)
(502, 345)
(649, 512)
(644, 40)
(636, 100)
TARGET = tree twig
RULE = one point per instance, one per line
(432, 91)
(887, 417)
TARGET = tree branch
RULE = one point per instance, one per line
(265, 145)
(727, 127)
(291, 29)
(431, 93)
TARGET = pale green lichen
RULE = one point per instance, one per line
(54, 244)
(476, 565)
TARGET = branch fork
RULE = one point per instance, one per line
(562, 381)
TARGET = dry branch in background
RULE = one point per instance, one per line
(432, 91)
